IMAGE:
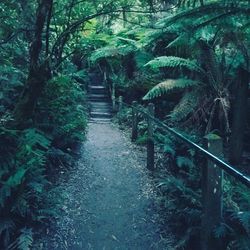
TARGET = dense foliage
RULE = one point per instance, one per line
(192, 62)
(191, 58)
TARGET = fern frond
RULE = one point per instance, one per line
(173, 62)
(222, 230)
(142, 57)
(113, 51)
(34, 137)
(244, 218)
(186, 105)
(181, 40)
(24, 241)
(169, 146)
(6, 224)
(168, 85)
(183, 161)
(128, 41)
(207, 9)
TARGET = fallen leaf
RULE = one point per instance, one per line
(113, 236)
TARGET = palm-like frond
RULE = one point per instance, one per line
(111, 51)
(184, 107)
(173, 62)
(209, 9)
(169, 85)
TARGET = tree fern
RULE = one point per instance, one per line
(169, 85)
(173, 62)
(186, 106)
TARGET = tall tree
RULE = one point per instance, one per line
(39, 68)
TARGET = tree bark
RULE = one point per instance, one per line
(39, 72)
(239, 117)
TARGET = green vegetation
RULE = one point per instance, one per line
(190, 58)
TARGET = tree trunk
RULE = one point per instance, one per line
(38, 72)
(239, 117)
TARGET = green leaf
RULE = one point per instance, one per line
(173, 62)
(169, 85)
(182, 161)
(24, 241)
(186, 106)
(17, 178)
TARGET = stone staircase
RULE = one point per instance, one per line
(100, 104)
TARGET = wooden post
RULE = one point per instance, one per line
(120, 103)
(212, 177)
(150, 141)
(134, 121)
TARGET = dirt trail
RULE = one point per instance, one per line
(110, 201)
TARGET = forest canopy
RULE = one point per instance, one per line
(191, 58)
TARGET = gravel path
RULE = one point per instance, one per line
(110, 201)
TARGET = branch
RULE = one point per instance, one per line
(73, 27)
(48, 28)
(64, 58)
(13, 35)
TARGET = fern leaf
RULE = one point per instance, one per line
(6, 224)
(169, 146)
(128, 41)
(26, 238)
(17, 178)
(186, 105)
(33, 137)
(142, 57)
(168, 85)
(173, 62)
(108, 51)
(181, 40)
(184, 161)
(24, 241)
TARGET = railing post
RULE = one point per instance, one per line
(212, 196)
(134, 122)
(120, 103)
(150, 141)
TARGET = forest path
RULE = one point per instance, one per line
(110, 200)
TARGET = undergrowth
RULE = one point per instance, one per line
(178, 180)
(29, 156)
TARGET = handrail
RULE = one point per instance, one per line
(226, 167)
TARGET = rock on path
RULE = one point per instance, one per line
(110, 201)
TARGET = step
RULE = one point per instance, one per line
(94, 114)
(98, 97)
(100, 104)
(96, 86)
(99, 120)
(99, 87)
(101, 110)
(98, 90)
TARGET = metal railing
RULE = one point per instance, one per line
(212, 173)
